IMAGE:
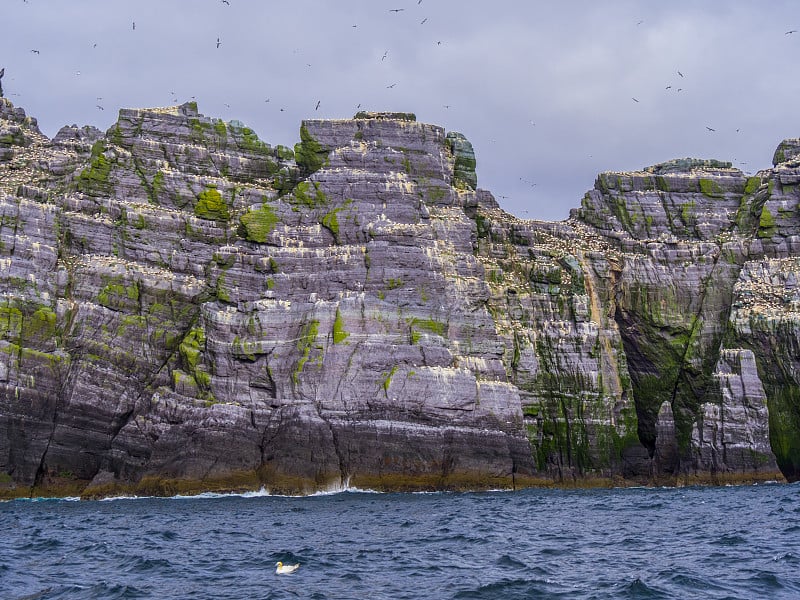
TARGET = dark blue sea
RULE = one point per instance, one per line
(710, 543)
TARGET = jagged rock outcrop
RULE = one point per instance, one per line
(185, 307)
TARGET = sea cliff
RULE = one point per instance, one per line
(184, 307)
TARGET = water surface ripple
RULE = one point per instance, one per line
(710, 543)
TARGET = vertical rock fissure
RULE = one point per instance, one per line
(681, 381)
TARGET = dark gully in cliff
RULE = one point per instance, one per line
(187, 308)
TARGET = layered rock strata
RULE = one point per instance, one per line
(185, 307)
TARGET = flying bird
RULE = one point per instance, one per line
(396, 10)
(282, 569)
(390, 86)
(634, 99)
(679, 73)
(384, 55)
(218, 43)
(134, 25)
(226, 2)
(317, 107)
(710, 128)
(35, 51)
(790, 32)
(100, 107)
(669, 87)
(423, 21)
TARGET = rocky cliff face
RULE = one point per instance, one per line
(185, 307)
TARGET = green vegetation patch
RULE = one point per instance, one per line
(387, 381)
(386, 116)
(94, 180)
(191, 347)
(118, 296)
(766, 223)
(40, 326)
(783, 402)
(418, 326)
(752, 184)
(710, 188)
(258, 223)
(304, 195)
(331, 223)
(309, 153)
(283, 152)
(339, 333)
(10, 323)
(211, 205)
(247, 140)
(308, 337)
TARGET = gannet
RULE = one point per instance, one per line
(282, 569)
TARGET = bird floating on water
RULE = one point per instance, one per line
(282, 569)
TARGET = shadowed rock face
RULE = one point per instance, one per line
(185, 307)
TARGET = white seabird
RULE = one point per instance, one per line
(282, 569)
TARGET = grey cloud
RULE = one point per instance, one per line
(572, 68)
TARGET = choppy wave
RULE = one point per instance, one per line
(715, 543)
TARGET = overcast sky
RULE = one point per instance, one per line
(544, 90)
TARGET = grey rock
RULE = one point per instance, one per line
(185, 307)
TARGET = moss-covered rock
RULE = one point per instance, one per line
(211, 205)
(464, 169)
(258, 223)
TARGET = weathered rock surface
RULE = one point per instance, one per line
(185, 307)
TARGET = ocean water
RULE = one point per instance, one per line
(710, 543)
